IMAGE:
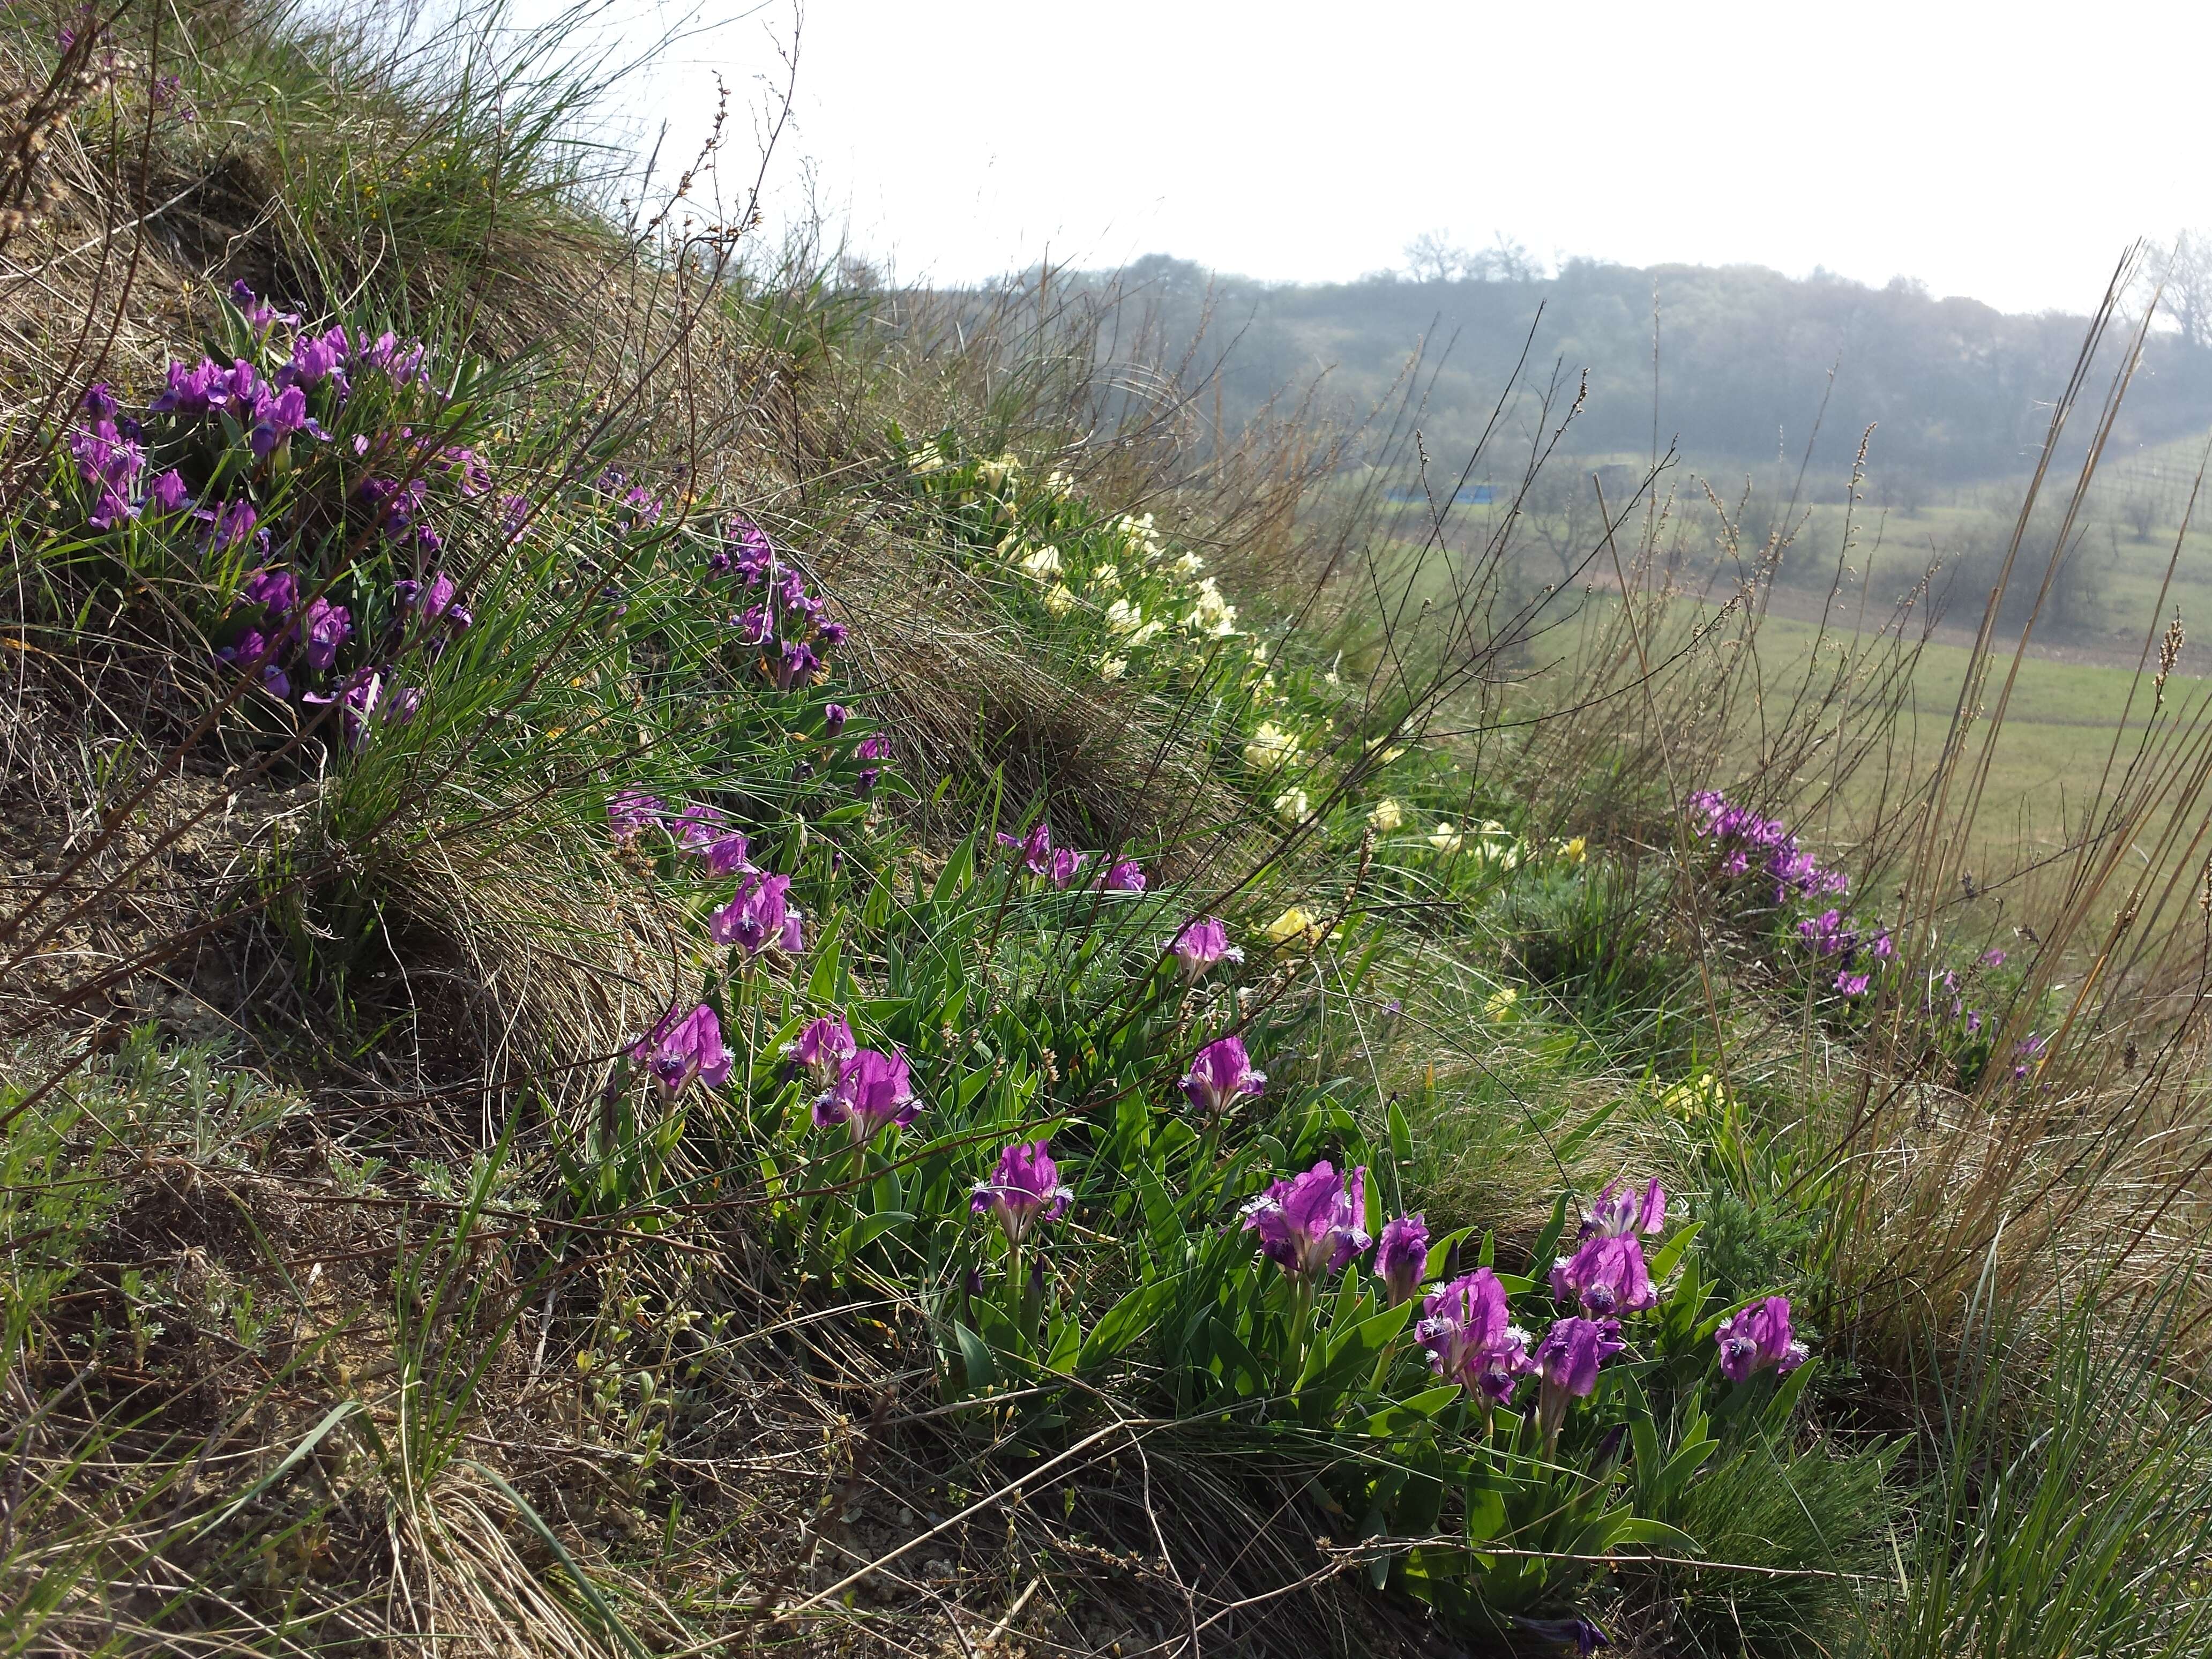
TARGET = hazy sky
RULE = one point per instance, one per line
(2003, 151)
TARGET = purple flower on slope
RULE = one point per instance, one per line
(1024, 1189)
(1569, 1357)
(1067, 866)
(356, 702)
(823, 1047)
(252, 647)
(682, 1046)
(1123, 875)
(759, 918)
(1401, 1260)
(834, 716)
(1607, 1275)
(1758, 1338)
(1578, 1633)
(1203, 943)
(259, 315)
(873, 1090)
(1220, 1075)
(327, 626)
(1621, 1210)
(1309, 1226)
(276, 419)
(631, 813)
(276, 591)
(1034, 850)
(1471, 1338)
(168, 494)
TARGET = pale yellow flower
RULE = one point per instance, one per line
(1270, 748)
(1499, 1006)
(1212, 615)
(1575, 850)
(1445, 839)
(1292, 806)
(1293, 926)
(996, 473)
(1189, 565)
(1045, 561)
(1059, 483)
(1107, 579)
(1147, 633)
(1388, 814)
(1123, 618)
(927, 459)
(1059, 599)
(1112, 668)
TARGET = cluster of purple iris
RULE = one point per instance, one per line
(1857, 955)
(1747, 841)
(787, 622)
(760, 917)
(1060, 866)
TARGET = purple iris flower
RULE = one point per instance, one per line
(1578, 1633)
(793, 665)
(834, 716)
(823, 1047)
(1852, 985)
(752, 551)
(1034, 850)
(1309, 1224)
(1123, 875)
(682, 1046)
(1066, 864)
(1203, 943)
(1402, 1258)
(403, 705)
(356, 700)
(753, 626)
(108, 461)
(1569, 1357)
(1992, 958)
(168, 494)
(191, 391)
(276, 419)
(327, 627)
(230, 524)
(759, 918)
(259, 314)
(470, 476)
(630, 813)
(99, 403)
(1607, 1273)
(315, 357)
(1220, 1075)
(876, 747)
(2028, 1051)
(251, 647)
(1471, 1339)
(1758, 1338)
(831, 634)
(1621, 1210)
(872, 1090)
(1024, 1189)
(276, 592)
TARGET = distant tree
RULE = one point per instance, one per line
(1504, 261)
(1433, 257)
(2183, 277)
(2139, 507)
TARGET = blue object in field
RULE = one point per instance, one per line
(1468, 496)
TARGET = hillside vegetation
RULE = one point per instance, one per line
(698, 959)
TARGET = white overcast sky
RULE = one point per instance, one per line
(2005, 151)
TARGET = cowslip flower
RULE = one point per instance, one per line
(1758, 1338)
(1270, 748)
(1024, 1189)
(1309, 1224)
(1401, 1260)
(1220, 1075)
(1203, 943)
(681, 1048)
(1123, 875)
(759, 918)
(823, 1047)
(1568, 1359)
(1607, 1274)
(1620, 1210)
(1471, 1339)
(1293, 926)
(873, 1090)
